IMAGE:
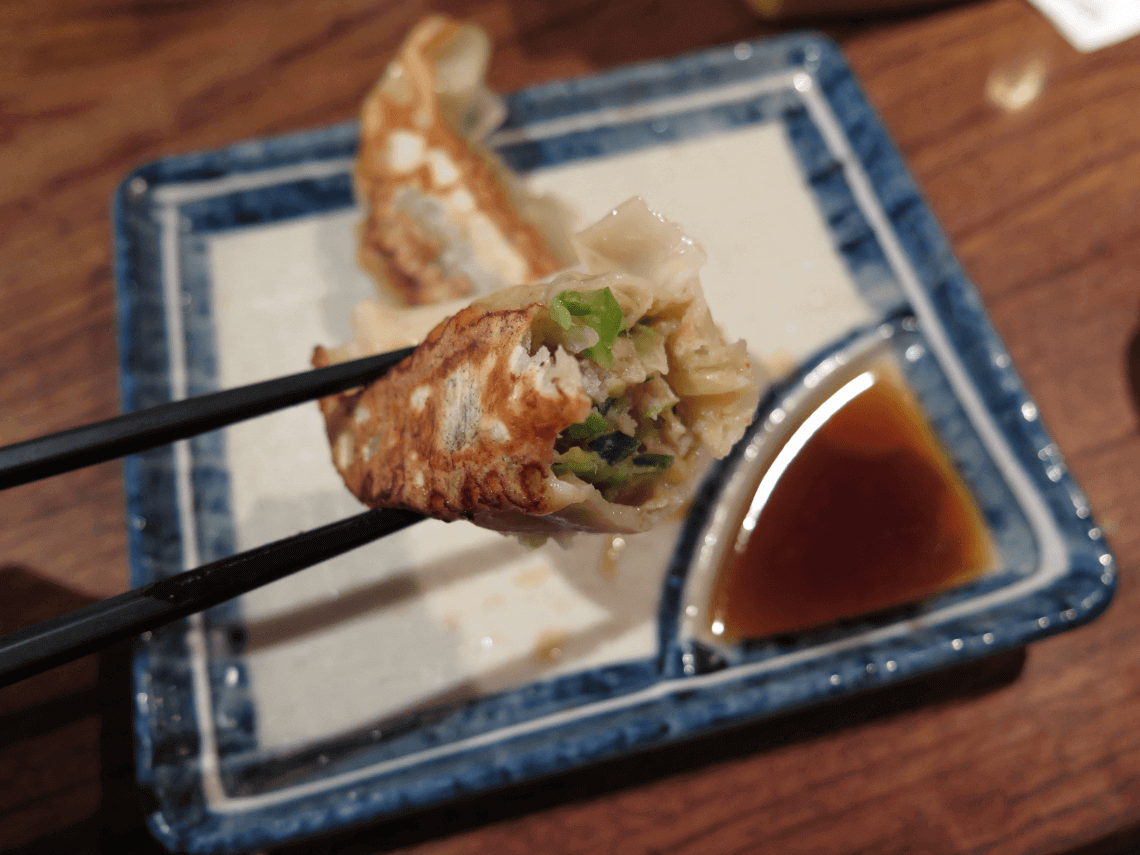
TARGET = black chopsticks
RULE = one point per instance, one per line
(92, 627)
(84, 446)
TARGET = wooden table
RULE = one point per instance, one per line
(1038, 753)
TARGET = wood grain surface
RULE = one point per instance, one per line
(1035, 753)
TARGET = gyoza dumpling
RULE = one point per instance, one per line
(590, 403)
(443, 218)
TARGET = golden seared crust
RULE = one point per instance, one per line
(466, 423)
(437, 215)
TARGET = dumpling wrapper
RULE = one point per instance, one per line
(443, 218)
(467, 426)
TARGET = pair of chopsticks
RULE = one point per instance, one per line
(90, 628)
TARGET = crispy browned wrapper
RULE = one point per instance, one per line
(403, 255)
(454, 429)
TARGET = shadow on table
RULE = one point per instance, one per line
(46, 751)
(1132, 371)
(1123, 842)
(605, 35)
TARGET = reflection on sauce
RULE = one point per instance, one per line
(869, 514)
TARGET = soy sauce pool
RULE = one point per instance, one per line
(868, 514)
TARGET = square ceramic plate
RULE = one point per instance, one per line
(446, 660)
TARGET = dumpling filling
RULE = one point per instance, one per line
(632, 434)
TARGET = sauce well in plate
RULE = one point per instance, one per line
(861, 510)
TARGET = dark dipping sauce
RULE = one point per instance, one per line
(870, 514)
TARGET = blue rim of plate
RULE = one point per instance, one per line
(201, 764)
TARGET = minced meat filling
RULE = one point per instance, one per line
(633, 434)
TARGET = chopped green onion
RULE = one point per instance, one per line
(599, 311)
(559, 313)
(579, 461)
(593, 427)
(614, 447)
(654, 461)
(614, 478)
(644, 338)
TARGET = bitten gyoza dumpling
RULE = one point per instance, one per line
(590, 403)
(443, 219)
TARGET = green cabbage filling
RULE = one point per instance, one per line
(592, 467)
(596, 449)
(597, 310)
